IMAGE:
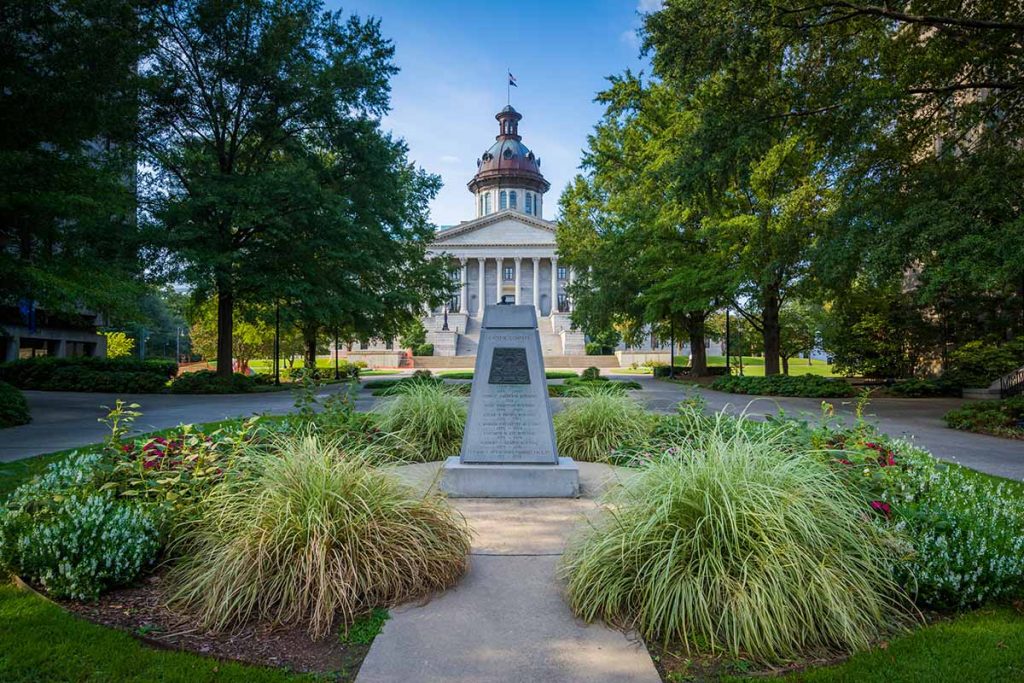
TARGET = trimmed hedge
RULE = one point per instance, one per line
(423, 350)
(810, 386)
(89, 374)
(1001, 418)
(923, 388)
(684, 371)
(207, 382)
(13, 407)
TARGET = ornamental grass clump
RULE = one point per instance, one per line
(424, 422)
(597, 421)
(310, 534)
(738, 545)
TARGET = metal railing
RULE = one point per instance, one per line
(1012, 384)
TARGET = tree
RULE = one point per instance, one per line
(119, 344)
(759, 179)
(798, 327)
(68, 238)
(261, 121)
(635, 237)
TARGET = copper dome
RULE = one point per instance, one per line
(508, 162)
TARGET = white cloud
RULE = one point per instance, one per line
(630, 38)
(646, 6)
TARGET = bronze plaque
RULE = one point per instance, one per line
(509, 366)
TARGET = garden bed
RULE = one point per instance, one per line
(139, 611)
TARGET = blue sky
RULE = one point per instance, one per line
(453, 58)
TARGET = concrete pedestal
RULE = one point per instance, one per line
(476, 480)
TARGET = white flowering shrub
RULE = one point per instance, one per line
(967, 533)
(60, 531)
(79, 545)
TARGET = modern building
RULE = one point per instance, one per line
(506, 252)
(29, 333)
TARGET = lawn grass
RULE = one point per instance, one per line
(41, 642)
(984, 645)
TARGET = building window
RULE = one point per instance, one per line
(562, 272)
(509, 273)
(481, 205)
(487, 203)
(512, 200)
(563, 302)
(529, 202)
(502, 201)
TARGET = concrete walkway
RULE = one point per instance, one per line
(915, 419)
(507, 620)
(62, 419)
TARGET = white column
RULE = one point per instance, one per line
(464, 288)
(536, 284)
(554, 285)
(480, 308)
(499, 280)
(519, 279)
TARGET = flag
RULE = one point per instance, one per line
(512, 80)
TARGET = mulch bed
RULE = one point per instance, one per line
(139, 611)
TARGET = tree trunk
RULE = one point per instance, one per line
(225, 329)
(785, 365)
(698, 354)
(310, 340)
(771, 333)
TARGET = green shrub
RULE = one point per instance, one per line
(923, 388)
(1001, 418)
(591, 373)
(811, 386)
(13, 407)
(979, 363)
(60, 531)
(311, 533)
(423, 350)
(209, 382)
(598, 421)
(425, 419)
(737, 545)
(967, 532)
(89, 374)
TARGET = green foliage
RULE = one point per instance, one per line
(13, 407)
(119, 345)
(89, 374)
(68, 213)
(425, 420)
(1002, 418)
(413, 335)
(978, 363)
(596, 421)
(922, 388)
(590, 373)
(364, 629)
(424, 350)
(311, 533)
(812, 386)
(209, 382)
(737, 544)
(62, 532)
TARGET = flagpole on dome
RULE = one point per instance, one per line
(511, 83)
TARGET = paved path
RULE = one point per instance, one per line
(507, 621)
(68, 420)
(62, 419)
(916, 419)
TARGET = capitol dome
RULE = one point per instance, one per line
(508, 174)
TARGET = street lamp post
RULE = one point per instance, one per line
(728, 367)
(277, 343)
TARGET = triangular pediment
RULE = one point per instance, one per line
(504, 227)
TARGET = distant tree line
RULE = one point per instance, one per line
(854, 168)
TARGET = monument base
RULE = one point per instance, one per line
(482, 480)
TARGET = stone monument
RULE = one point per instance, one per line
(508, 448)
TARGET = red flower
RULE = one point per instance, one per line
(843, 461)
(884, 508)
